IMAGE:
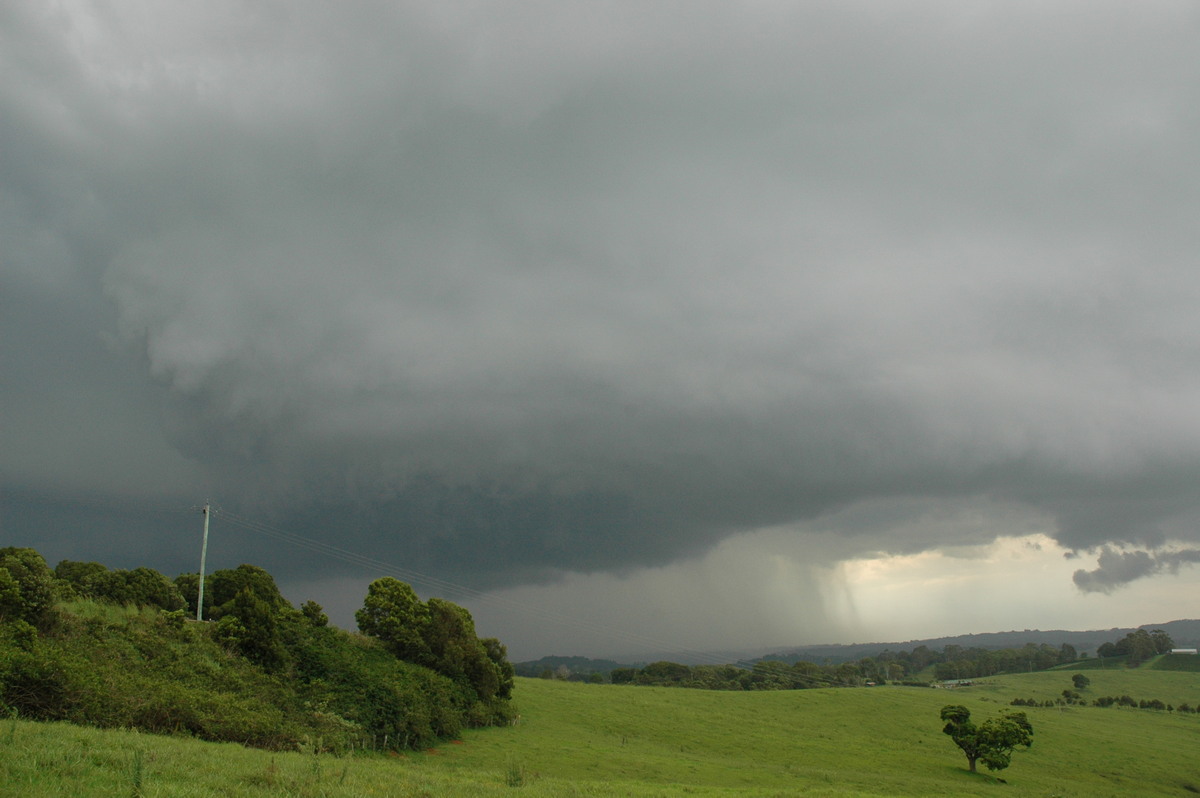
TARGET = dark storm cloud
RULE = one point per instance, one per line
(512, 288)
(1117, 568)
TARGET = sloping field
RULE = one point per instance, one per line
(874, 741)
(578, 739)
(1177, 662)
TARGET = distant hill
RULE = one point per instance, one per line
(574, 666)
(1185, 633)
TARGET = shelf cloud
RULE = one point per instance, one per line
(513, 290)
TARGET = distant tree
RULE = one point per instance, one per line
(1162, 641)
(771, 675)
(920, 658)
(1080, 681)
(1139, 645)
(663, 673)
(622, 675)
(993, 741)
(848, 674)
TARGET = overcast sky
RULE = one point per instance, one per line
(625, 324)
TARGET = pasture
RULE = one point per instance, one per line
(603, 740)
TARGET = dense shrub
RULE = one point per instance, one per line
(26, 586)
(264, 674)
(142, 587)
(441, 636)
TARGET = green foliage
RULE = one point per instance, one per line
(137, 775)
(263, 674)
(393, 613)
(622, 675)
(76, 574)
(143, 587)
(578, 669)
(315, 613)
(498, 654)
(600, 740)
(973, 663)
(440, 635)
(1138, 646)
(144, 674)
(1176, 662)
(26, 586)
(1080, 681)
(993, 741)
(150, 674)
(514, 773)
(188, 586)
(260, 641)
(665, 673)
(952, 663)
(395, 703)
(222, 589)
(11, 602)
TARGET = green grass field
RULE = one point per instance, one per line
(601, 740)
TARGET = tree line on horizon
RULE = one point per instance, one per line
(952, 662)
(1138, 646)
(262, 672)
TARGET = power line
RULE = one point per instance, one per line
(136, 506)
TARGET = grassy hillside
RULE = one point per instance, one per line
(580, 739)
(115, 649)
(1177, 662)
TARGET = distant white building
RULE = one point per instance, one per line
(1183, 651)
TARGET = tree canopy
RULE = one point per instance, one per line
(26, 586)
(993, 741)
(144, 587)
(438, 634)
(268, 674)
(1139, 646)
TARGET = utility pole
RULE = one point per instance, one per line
(203, 554)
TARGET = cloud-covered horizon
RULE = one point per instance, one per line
(513, 290)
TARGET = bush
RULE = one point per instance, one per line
(26, 586)
(264, 675)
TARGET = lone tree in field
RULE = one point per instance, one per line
(993, 741)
